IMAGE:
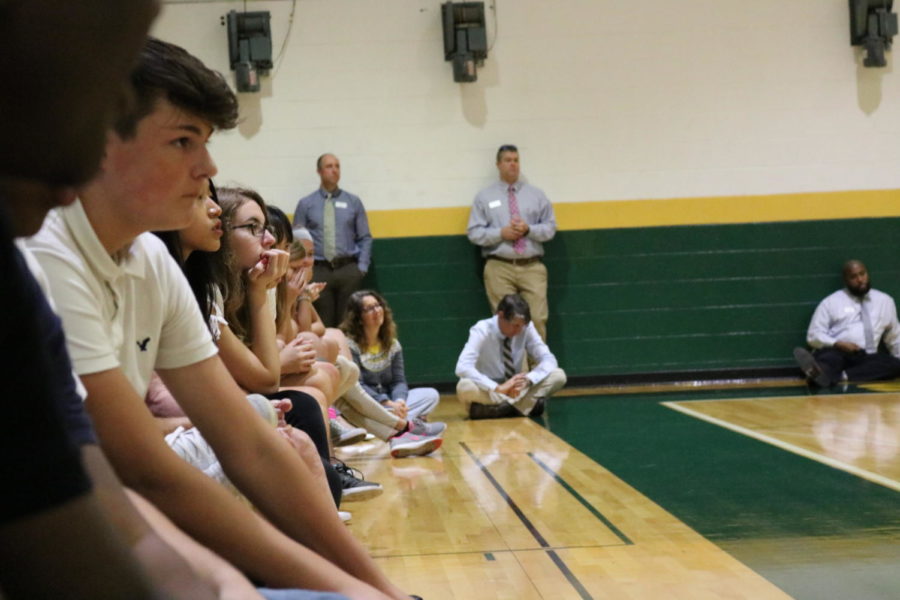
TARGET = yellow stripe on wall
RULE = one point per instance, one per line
(654, 213)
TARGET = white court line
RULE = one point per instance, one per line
(836, 464)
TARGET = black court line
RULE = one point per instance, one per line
(609, 524)
(494, 551)
(530, 527)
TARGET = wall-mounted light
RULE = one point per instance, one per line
(465, 38)
(249, 47)
(872, 25)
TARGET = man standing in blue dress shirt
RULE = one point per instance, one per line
(511, 220)
(341, 237)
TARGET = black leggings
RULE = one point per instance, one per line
(306, 416)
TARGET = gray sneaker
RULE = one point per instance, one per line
(344, 436)
(420, 427)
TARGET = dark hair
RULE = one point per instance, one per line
(506, 148)
(319, 160)
(352, 326)
(234, 288)
(168, 71)
(279, 225)
(850, 264)
(513, 306)
(202, 269)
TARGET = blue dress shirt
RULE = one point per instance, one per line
(352, 236)
(490, 214)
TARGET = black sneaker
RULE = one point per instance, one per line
(355, 487)
(538, 408)
(492, 411)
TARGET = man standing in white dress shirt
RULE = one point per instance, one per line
(491, 382)
(511, 220)
(846, 330)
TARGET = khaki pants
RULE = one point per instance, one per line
(468, 392)
(359, 408)
(530, 281)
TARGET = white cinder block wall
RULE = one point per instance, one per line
(607, 100)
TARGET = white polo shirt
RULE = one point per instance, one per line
(136, 313)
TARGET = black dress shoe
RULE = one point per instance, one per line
(538, 409)
(811, 368)
(492, 411)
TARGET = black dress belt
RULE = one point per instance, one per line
(516, 261)
(337, 262)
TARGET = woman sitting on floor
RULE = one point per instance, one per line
(372, 334)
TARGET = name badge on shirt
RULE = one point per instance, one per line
(340, 204)
(495, 203)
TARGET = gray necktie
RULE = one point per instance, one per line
(328, 242)
(871, 348)
(509, 369)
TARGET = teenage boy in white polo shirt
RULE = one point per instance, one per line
(127, 310)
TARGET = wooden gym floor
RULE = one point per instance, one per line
(744, 492)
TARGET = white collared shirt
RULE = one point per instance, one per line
(482, 357)
(136, 313)
(838, 318)
(38, 273)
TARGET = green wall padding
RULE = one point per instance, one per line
(642, 300)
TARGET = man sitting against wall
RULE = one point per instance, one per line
(491, 383)
(846, 330)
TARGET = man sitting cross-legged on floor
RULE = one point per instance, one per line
(846, 330)
(491, 383)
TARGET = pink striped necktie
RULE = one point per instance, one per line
(519, 244)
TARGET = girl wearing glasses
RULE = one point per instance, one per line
(199, 250)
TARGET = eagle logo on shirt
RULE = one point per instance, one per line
(143, 344)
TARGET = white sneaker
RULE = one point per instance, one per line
(344, 515)
(411, 444)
